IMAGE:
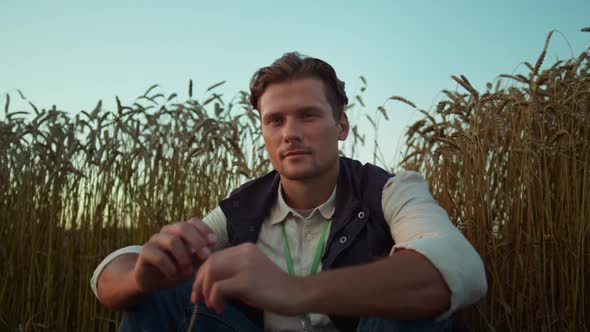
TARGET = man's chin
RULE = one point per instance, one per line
(297, 174)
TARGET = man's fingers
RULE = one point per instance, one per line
(194, 240)
(221, 265)
(196, 295)
(221, 291)
(176, 248)
(153, 256)
(205, 230)
(211, 271)
(210, 275)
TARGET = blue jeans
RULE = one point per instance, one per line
(171, 310)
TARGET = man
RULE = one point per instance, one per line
(322, 242)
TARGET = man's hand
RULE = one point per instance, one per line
(173, 255)
(244, 273)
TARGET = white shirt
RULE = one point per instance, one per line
(415, 220)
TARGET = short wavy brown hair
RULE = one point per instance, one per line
(294, 65)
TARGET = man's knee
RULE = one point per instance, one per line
(162, 310)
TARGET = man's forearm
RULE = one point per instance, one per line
(403, 286)
(116, 285)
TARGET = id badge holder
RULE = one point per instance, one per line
(306, 323)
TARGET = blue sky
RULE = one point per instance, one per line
(72, 54)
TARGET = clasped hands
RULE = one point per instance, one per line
(183, 250)
(243, 272)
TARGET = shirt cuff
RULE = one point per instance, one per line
(458, 263)
(94, 280)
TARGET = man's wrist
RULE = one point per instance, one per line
(306, 294)
(133, 284)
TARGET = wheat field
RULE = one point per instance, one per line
(510, 164)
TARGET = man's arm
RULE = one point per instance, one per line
(432, 271)
(418, 223)
(116, 287)
(403, 286)
(169, 258)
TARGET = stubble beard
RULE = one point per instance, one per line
(311, 170)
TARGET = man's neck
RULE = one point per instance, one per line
(309, 193)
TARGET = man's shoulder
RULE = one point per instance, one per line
(253, 184)
(249, 202)
(367, 172)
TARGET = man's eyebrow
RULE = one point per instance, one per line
(271, 115)
(308, 108)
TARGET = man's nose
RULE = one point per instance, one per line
(291, 131)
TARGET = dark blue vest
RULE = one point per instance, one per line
(358, 234)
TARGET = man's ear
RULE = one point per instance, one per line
(343, 126)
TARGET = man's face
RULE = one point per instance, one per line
(299, 129)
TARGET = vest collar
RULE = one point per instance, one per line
(253, 202)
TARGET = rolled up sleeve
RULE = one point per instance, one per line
(418, 223)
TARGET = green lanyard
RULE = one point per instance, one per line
(318, 250)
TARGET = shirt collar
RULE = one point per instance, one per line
(281, 209)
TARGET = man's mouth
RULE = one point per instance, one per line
(294, 153)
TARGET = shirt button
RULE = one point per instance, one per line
(343, 239)
(236, 203)
(251, 228)
(361, 215)
(309, 237)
